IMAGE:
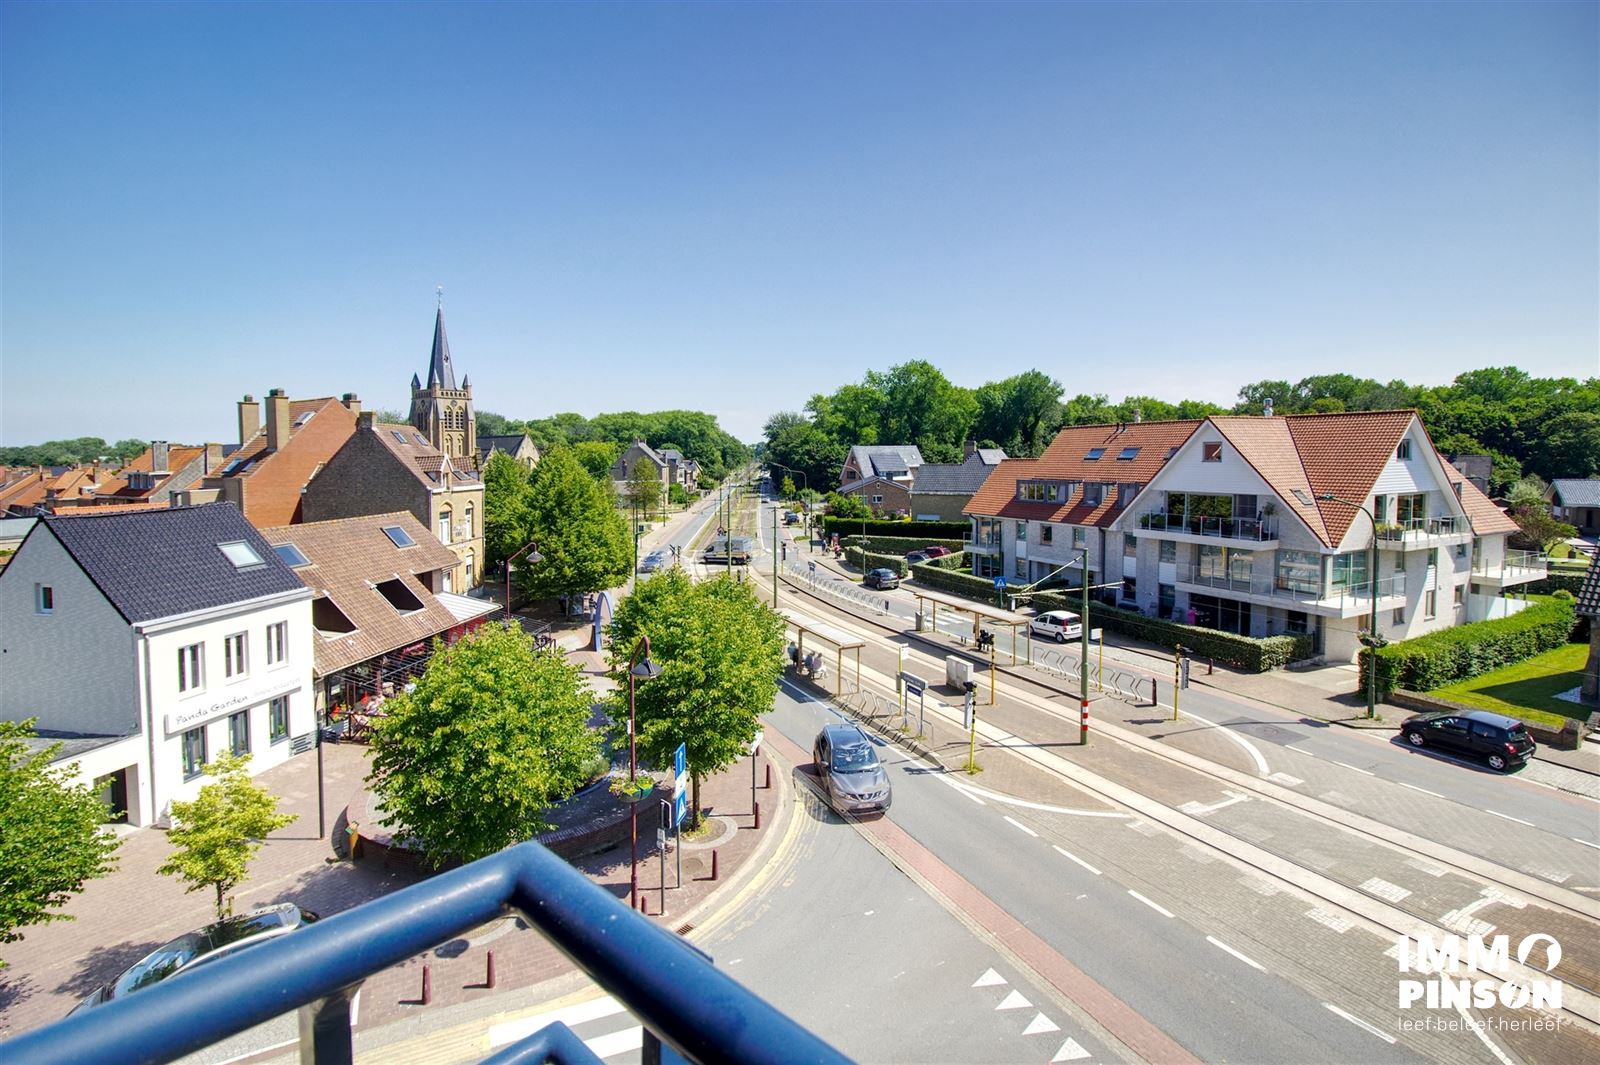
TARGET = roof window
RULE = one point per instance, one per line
(398, 536)
(418, 438)
(1094, 454)
(399, 596)
(305, 417)
(291, 555)
(398, 435)
(328, 619)
(1127, 453)
(241, 554)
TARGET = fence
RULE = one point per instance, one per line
(841, 590)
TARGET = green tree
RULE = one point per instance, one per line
(51, 843)
(1568, 445)
(642, 492)
(922, 407)
(494, 732)
(507, 488)
(215, 834)
(720, 649)
(1539, 529)
(596, 456)
(677, 495)
(847, 506)
(1019, 413)
(808, 449)
(583, 540)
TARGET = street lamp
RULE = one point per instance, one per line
(533, 557)
(637, 670)
(1372, 641)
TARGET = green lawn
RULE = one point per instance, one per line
(1528, 689)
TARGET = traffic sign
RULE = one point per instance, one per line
(680, 779)
(999, 582)
(755, 744)
(680, 807)
(914, 684)
(1097, 634)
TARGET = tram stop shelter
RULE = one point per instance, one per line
(928, 604)
(841, 643)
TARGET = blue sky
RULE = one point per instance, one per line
(729, 207)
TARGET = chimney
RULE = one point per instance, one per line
(352, 402)
(969, 449)
(213, 459)
(277, 419)
(249, 418)
(1138, 416)
(1266, 408)
(160, 456)
(367, 419)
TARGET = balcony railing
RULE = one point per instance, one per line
(1194, 575)
(1336, 596)
(1419, 528)
(985, 544)
(1257, 529)
(1517, 566)
(683, 1001)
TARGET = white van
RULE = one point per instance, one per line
(1059, 625)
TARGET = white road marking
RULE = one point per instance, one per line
(1070, 1051)
(1357, 768)
(972, 792)
(578, 1013)
(1508, 817)
(1040, 1024)
(1193, 807)
(1250, 748)
(1019, 824)
(1162, 910)
(1073, 857)
(1014, 1001)
(1286, 780)
(614, 1043)
(1477, 1030)
(1219, 944)
(1586, 843)
(988, 979)
(1329, 920)
(1385, 890)
(1424, 791)
(1358, 1022)
(1299, 750)
(263, 1050)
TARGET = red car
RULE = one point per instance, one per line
(935, 551)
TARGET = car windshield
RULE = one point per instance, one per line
(854, 757)
(181, 951)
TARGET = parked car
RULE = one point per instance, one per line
(221, 939)
(882, 579)
(791, 518)
(654, 560)
(913, 557)
(935, 551)
(851, 774)
(1057, 625)
(1502, 742)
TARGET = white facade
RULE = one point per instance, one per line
(78, 667)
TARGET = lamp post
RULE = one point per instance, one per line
(1083, 657)
(1372, 641)
(532, 558)
(637, 670)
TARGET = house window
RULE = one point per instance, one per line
(1296, 623)
(1045, 534)
(875, 500)
(1460, 598)
(1130, 546)
(1169, 551)
(1022, 569)
(1212, 564)
(239, 733)
(1166, 600)
(1211, 452)
(470, 518)
(444, 525)
(1430, 603)
(194, 752)
(191, 663)
(1299, 571)
(1411, 510)
(233, 663)
(1403, 452)
(44, 599)
(277, 643)
(1130, 588)
(1399, 615)
(1350, 570)
(1380, 508)
(1461, 550)
(1094, 454)
(471, 566)
(1080, 536)
(278, 719)
(1022, 532)
(1127, 454)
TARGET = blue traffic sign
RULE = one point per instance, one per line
(999, 582)
(680, 808)
(679, 758)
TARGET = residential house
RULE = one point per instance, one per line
(881, 477)
(1253, 525)
(381, 600)
(52, 489)
(386, 467)
(622, 469)
(164, 473)
(441, 411)
(266, 474)
(517, 445)
(1588, 606)
(1576, 501)
(940, 491)
(153, 641)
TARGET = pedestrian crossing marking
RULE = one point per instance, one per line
(1070, 1051)
(613, 1043)
(1040, 1024)
(578, 1013)
(989, 979)
(1014, 1001)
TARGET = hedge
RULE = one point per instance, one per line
(948, 530)
(865, 560)
(1555, 582)
(932, 575)
(1257, 655)
(1449, 655)
(899, 545)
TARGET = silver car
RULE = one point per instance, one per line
(849, 770)
(655, 560)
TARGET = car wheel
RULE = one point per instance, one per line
(1497, 762)
(1061, 637)
(1415, 739)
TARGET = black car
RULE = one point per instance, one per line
(855, 780)
(1503, 742)
(881, 579)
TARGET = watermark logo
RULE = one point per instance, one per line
(1438, 981)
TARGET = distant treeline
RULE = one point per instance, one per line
(84, 449)
(694, 433)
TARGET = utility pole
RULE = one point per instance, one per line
(775, 552)
(1083, 657)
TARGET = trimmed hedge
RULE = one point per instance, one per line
(1556, 582)
(865, 560)
(1257, 655)
(949, 530)
(900, 545)
(932, 575)
(1449, 655)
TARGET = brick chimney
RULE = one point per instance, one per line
(160, 458)
(352, 402)
(249, 418)
(367, 420)
(969, 449)
(277, 419)
(213, 459)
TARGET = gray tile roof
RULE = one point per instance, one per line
(1589, 594)
(951, 478)
(160, 563)
(1577, 493)
(886, 460)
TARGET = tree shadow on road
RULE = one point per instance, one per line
(14, 989)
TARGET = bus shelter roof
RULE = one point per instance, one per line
(956, 602)
(842, 640)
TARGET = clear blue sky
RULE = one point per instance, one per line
(731, 206)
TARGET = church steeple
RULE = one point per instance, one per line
(442, 410)
(440, 373)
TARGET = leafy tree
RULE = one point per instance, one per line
(847, 506)
(1539, 529)
(784, 419)
(922, 407)
(492, 424)
(597, 456)
(469, 762)
(506, 491)
(643, 488)
(808, 449)
(720, 649)
(1568, 445)
(584, 540)
(677, 495)
(1528, 492)
(1019, 413)
(786, 489)
(215, 835)
(50, 838)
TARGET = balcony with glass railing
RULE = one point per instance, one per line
(986, 546)
(1256, 531)
(1337, 599)
(1422, 531)
(689, 1009)
(1518, 567)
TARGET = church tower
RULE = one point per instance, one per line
(442, 411)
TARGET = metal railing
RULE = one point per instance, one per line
(1256, 529)
(837, 589)
(1119, 682)
(1525, 565)
(683, 1001)
(1191, 574)
(1419, 528)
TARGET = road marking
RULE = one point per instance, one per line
(1014, 1001)
(1250, 748)
(1073, 857)
(972, 792)
(1329, 920)
(1424, 791)
(1019, 824)
(577, 1013)
(1193, 807)
(1299, 750)
(1070, 1051)
(1477, 1030)
(614, 1043)
(1586, 843)
(1385, 890)
(988, 979)
(1359, 1023)
(1040, 1024)
(1162, 910)
(1223, 946)
(1286, 780)
(1508, 817)
(1357, 768)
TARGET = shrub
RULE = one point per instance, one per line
(899, 545)
(949, 530)
(932, 575)
(1246, 652)
(1444, 657)
(865, 560)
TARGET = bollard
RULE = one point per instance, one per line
(427, 985)
(1211, 666)
(1153, 700)
(768, 784)
(488, 972)
(713, 865)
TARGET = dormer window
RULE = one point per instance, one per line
(1094, 454)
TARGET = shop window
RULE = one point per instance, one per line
(278, 719)
(239, 733)
(194, 752)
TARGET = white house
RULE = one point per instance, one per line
(153, 641)
(1255, 525)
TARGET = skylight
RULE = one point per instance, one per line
(399, 536)
(1127, 453)
(418, 438)
(398, 435)
(399, 596)
(233, 467)
(1094, 454)
(291, 555)
(241, 554)
(306, 417)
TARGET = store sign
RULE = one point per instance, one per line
(198, 714)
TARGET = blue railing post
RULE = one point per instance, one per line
(325, 1037)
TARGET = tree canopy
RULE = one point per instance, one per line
(84, 449)
(50, 838)
(692, 432)
(215, 834)
(583, 539)
(470, 761)
(507, 488)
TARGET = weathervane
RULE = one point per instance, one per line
(440, 289)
